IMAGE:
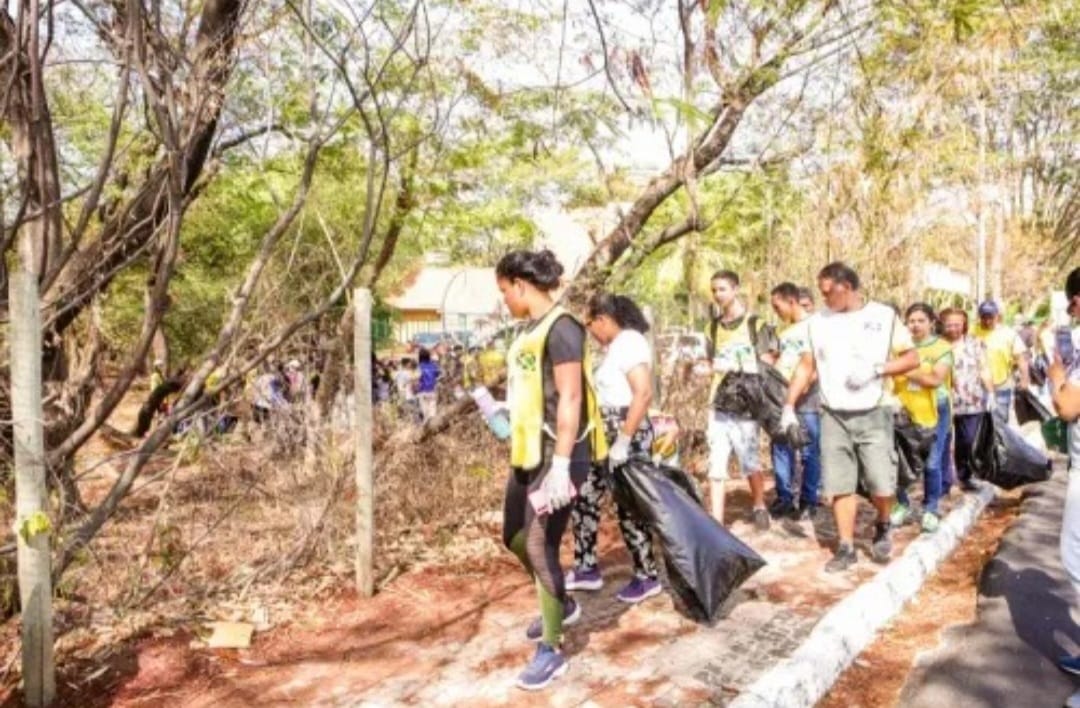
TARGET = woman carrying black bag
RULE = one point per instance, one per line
(624, 389)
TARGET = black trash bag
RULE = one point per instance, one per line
(705, 562)
(1002, 457)
(760, 397)
(738, 394)
(774, 388)
(913, 445)
(1029, 407)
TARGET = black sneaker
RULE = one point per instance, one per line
(881, 548)
(843, 559)
(806, 513)
(779, 508)
(760, 517)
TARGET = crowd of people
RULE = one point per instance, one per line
(852, 370)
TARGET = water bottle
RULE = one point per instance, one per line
(498, 419)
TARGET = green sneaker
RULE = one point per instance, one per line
(898, 515)
(930, 522)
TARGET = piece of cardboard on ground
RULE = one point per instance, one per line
(230, 635)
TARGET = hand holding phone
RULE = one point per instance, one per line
(1063, 344)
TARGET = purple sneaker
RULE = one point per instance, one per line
(584, 579)
(547, 665)
(639, 589)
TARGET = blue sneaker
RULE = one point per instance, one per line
(546, 666)
(639, 589)
(584, 579)
(571, 615)
(1070, 664)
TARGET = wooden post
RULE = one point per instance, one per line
(32, 521)
(656, 359)
(362, 434)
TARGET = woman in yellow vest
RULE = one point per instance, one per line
(925, 394)
(556, 434)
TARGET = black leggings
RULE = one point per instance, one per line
(535, 539)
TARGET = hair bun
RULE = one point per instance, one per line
(548, 269)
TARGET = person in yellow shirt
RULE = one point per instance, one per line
(1005, 351)
(924, 393)
(733, 345)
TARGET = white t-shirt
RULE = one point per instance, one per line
(628, 350)
(846, 342)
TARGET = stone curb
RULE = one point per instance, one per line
(849, 627)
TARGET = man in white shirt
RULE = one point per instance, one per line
(854, 345)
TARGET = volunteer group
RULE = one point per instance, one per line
(852, 368)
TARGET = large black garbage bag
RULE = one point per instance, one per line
(1029, 407)
(705, 562)
(738, 394)
(1002, 457)
(761, 397)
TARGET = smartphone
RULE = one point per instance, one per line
(539, 501)
(1063, 343)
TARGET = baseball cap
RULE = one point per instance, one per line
(988, 308)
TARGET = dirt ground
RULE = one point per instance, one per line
(341, 640)
(117, 651)
(947, 599)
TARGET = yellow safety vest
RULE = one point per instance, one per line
(525, 395)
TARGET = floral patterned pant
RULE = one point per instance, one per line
(586, 509)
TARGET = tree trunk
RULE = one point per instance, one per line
(130, 227)
(32, 521)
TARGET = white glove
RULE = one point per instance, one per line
(860, 376)
(991, 402)
(619, 452)
(557, 483)
(787, 418)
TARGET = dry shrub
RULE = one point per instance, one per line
(226, 527)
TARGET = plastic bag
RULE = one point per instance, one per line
(738, 394)
(913, 444)
(1001, 456)
(1029, 407)
(761, 397)
(1054, 431)
(705, 562)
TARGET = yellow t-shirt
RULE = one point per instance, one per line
(733, 350)
(919, 401)
(1003, 347)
